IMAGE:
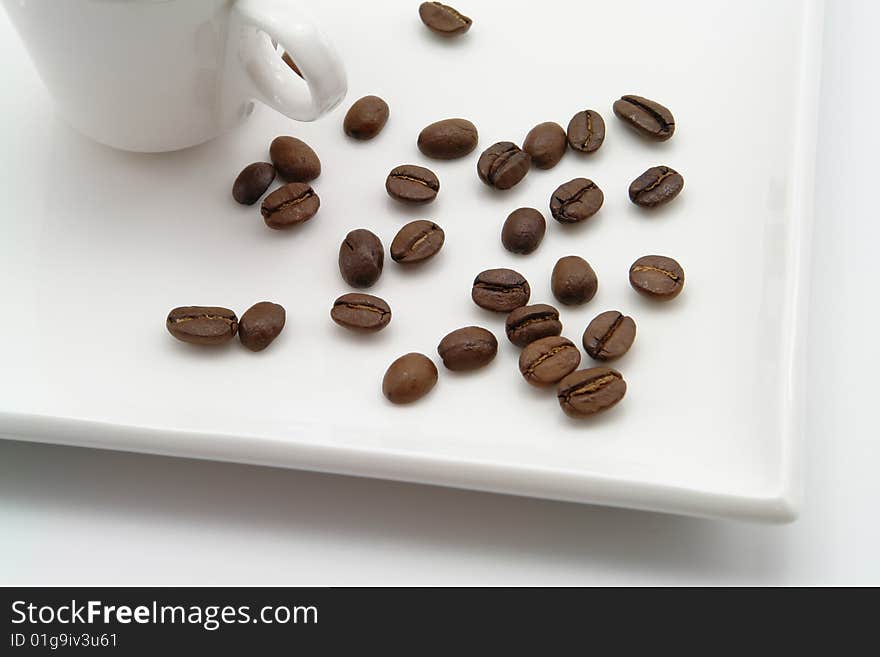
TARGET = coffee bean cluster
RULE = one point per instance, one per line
(213, 325)
(547, 358)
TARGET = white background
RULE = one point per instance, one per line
(81, 516)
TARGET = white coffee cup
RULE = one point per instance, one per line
(160, 75)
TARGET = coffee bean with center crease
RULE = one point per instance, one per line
(448, 139)
(587, 392)
(252, 182)
(409, 378)
(658, 185)
(546, 144)
(548, 360)
(573, 281)
(586, 131)
(503, 165)
(609, 335)
(202, 324)
(647, 117)
(529, 323)
(443, 20)
(365, 118)
(500, 290)
(294, 159)
(657, 277)
(576, 201)
(412, 184)
(361, 312)
(361, 258)
(523, 230)
(261, 324)
(467, 348)
(290, 205)
(417, 241)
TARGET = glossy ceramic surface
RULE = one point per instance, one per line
(97, 246)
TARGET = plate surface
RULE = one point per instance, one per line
(97, 245)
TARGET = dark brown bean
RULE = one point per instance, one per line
(467, 348)
(412, 184)
(609, 335)
(294, 159)
(529, 323)
(586, 131)
(443, 20)
(548, 360)
(573, 281)
(365, 118)
(523, 230)
(252, 182)
(503, 165)
(576, 201)
(500, 290)
(448, 139)
(361, 257)
(587, 392)
(290, 205)
(260, 325)
(647, 117)
(292, 64)
(202, 324)
(657, 277)
(417, 241)
(658, 185)
(361, 312)
(546, 144)
(409, 378)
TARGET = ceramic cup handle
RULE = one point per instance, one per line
(271, 80)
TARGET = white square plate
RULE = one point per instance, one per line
(97, 245)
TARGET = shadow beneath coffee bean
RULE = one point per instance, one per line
(204, 351)
(410, 211)
(417, 270)
(364, 339)
(577, 229)
(665, 212)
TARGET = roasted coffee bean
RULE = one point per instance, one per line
(529, 323)
(523, 230)
(361, 312)
(503, 165)
(417, 241)
(609, 335)
(260, 324)
(649, 118)
(500, 290)
(658, 185)
(294, 159)
(658, 277)
(252, 182)
(412, 184)
(448, 139)
(573, 281)
(586, 392)
(409, 378)
(467, 348)
(366, 118)
(292, 64)
(546, 144)
(576, 200)
(443, 19)
(586, 131)
(361, 257)
(548, 360)
(290, 205)
(202, 324)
